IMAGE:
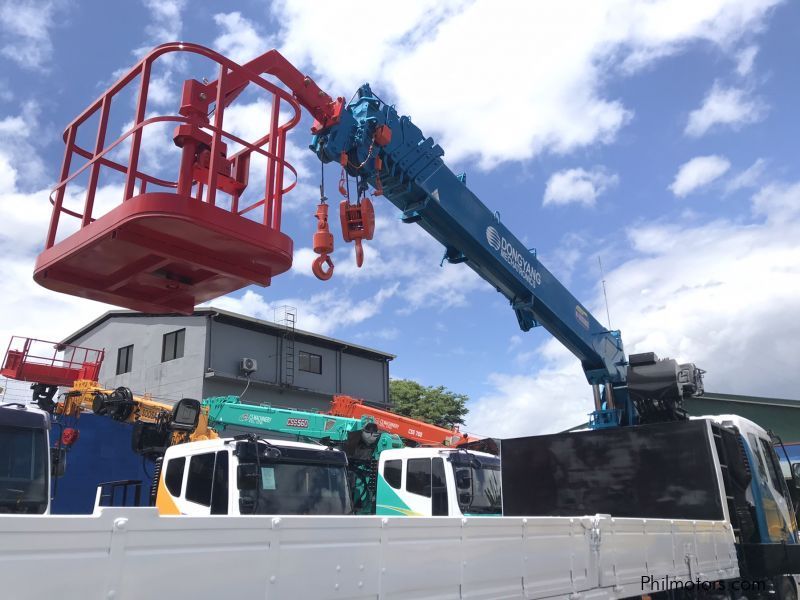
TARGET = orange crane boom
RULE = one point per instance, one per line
(407, 428)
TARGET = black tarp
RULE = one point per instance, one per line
(661, 471)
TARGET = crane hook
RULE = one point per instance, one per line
(323, 244)
(359, 253)
(358, 223)
(318, 267)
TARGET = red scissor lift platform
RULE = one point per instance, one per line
(50, 363)
(171, 244)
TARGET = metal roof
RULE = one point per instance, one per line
(748, 399)
(240, 320)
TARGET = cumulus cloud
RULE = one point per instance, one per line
(745, 60)
(578, 186)
(697, 173)
(322, 313)
(716, 294)
(239, 40)
(19, 135)
(778, 203)
(722, 106)
(26, 32)
(29, 309)
(749, 178)
(165, 25)
(463, 50)
(166, 22)
(404, 254)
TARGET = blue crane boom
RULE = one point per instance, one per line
(383, 149)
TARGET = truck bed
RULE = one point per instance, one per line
(133, 553)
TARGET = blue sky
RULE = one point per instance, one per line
(660, 137)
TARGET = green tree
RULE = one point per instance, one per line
(436, 405)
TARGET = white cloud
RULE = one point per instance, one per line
(578, 186)
(166, 22)
(28, 309)
(749, 178)
(718, 294)
(745, 60)
(404, 254)
(778, 202)
(165, 25)
(384, 333)
(724, 106)
(504, 84)
(697, 173)
(239, 40)
(19, 135)
(26, 28)
(322, 313)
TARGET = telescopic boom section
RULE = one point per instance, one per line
(387, 150)
(407, 428)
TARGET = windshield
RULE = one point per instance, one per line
(483, 496)
(290, 488)
(793, 452)
(23, 470)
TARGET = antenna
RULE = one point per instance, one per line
(605, 296)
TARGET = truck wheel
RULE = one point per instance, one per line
(787, 590)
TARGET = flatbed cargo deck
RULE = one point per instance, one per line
(136, 554)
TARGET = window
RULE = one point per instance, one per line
(439, 488)
(393, 472)
(124, 359)
(173, 477)
(201, 474)
(311, 363)
(219, 492)
(762, 469)
(418, 477)
(172, 346)
(773, 466)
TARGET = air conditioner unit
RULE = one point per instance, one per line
(248, 365)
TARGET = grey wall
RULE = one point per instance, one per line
(228, 344)
(169, 381)
(342, 373)
(263, 394)
(364, 378)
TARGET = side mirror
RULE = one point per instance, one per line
(185, 415)
(58, 462)
(247, 476)
(796, 470)
(463, 480)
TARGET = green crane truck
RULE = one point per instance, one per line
(387, 477)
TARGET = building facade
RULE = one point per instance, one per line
(215, 352)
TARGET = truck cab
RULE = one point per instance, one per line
(438, 482)
(24, 460)
(768, 492)
(233, 476)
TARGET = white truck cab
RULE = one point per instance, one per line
(231, 476)
(438, 482)
(768, 489)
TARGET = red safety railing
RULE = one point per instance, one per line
(169, 244)
(224, 173)
(50, 363)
